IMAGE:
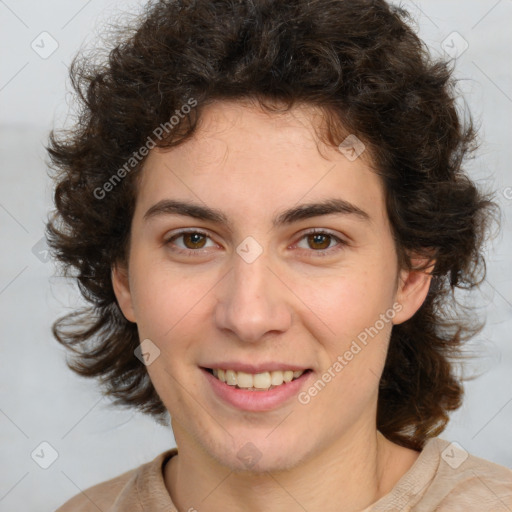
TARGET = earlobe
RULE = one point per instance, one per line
(412, 290)
(121, 286)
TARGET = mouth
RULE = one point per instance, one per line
(264, 381)
(259, 392)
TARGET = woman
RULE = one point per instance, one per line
(267, 208)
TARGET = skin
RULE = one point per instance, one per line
(289, 305)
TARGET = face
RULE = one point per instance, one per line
(232, 282)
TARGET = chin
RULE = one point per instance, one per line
(257, 455)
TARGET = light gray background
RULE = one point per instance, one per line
(41, 400)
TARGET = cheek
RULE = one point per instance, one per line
(356, 349)
(349, 302)
(355, 339)
(160, 301)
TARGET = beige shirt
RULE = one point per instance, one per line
(443, 479)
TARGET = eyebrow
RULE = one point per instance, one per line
(295, 214)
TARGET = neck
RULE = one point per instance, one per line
(349, 476)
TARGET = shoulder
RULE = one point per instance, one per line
(466, 482)
(122, 492)
(100, 496)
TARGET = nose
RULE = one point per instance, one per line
(253, 300)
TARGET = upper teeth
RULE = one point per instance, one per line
(259, 380)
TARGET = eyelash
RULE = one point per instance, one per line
(198, 252)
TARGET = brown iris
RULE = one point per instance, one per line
(315, 238)
(195, 240)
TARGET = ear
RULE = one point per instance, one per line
(121, 285)
(412, 289)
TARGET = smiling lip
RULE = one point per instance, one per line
(256, 401)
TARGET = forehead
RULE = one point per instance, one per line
(244, 159)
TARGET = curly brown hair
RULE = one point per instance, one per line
(362, 64)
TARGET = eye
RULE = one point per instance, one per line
(321, 241)
(193, 240)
